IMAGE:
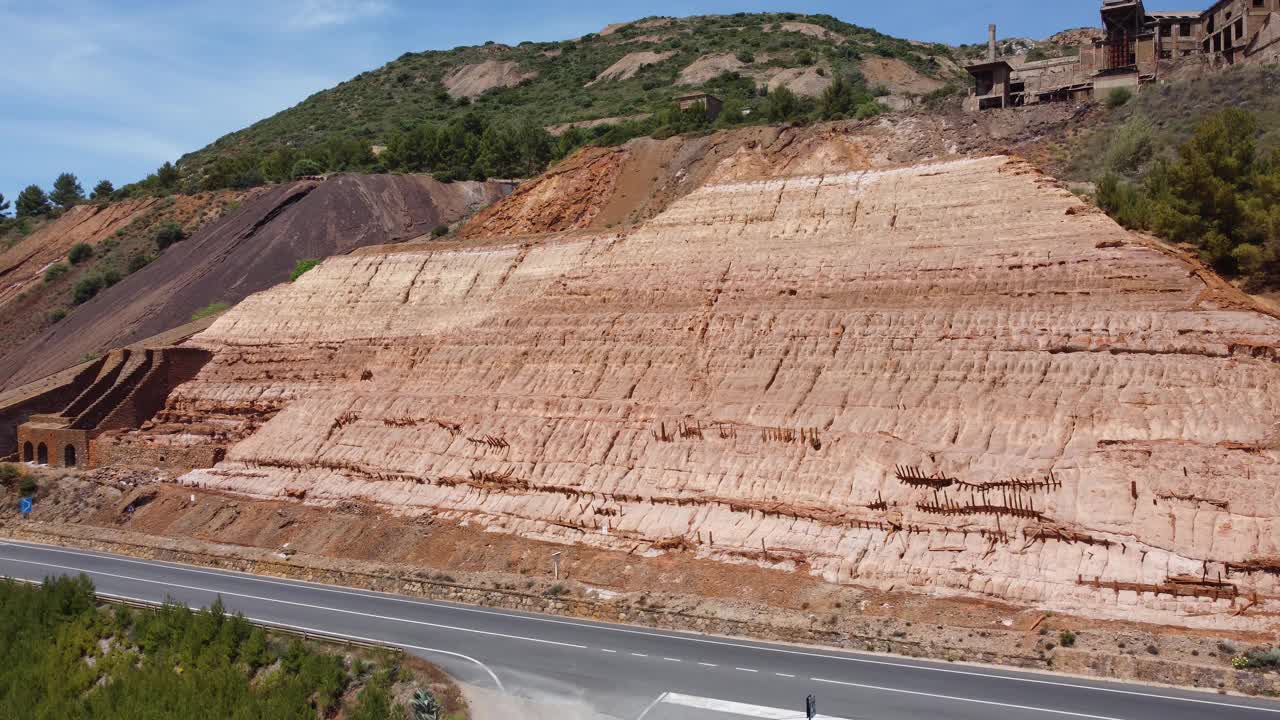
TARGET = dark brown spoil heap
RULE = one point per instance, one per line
(249, 250)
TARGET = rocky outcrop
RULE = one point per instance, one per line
(248, 250)
(951, 376)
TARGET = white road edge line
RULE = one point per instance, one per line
(322, 587)
(786, 675)
(708, 664)
(653, 705)
(673, 659)
(305, 605)
(329, 633)
(639, 655)
(735, 708)
(746, 669)
(608, 650)
(963, 699)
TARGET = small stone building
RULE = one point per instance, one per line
(710, 104)
(57, 421)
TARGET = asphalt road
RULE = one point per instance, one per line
(599, 670)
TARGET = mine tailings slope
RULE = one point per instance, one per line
(947, 373)
(249, 250)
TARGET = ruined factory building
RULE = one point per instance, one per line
(1137, 47)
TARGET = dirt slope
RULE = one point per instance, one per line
(117, 232)
(949, 375)
(249, 250)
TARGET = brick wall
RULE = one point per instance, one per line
(170, 368)
(106, 450)
(53, 400)
(56, 441)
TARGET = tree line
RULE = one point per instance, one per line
(469, 147)
(63, 656)
(67, 192)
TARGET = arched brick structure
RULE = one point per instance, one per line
(28, 452)
(69, 456)
(42, 454)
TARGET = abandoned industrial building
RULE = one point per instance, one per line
(1136, 47)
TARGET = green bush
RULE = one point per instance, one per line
(1067, 639)
(86, 289)
(169, 234)
(440, 231)
(56, 316)
(138, 261)
(9, 474)
(55, 271)
(1130, 146)
(79, 253)
(214, 308)
(306, 167)
(27, 486)
(1119, 97)
(301, 268)
(746, 57)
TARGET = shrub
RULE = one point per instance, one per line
(440, 231)
(210, 310)
(302, 268)
(169, 234)
(868, 109)
(1257, 659)
(27, 486)
(1119, 97)
(79, 253)
(804, 58)
(138, 261)
(557, 590)
(306, 167)
(746, 57)
(1130, 146)
(9, 474)
(1067, 639)
(86, 289)
(55, 271)
(57, 315)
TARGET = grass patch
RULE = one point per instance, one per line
(213, 308)
(302, 268)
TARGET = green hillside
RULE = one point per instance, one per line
(545, 84)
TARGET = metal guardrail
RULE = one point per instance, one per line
(316, 635)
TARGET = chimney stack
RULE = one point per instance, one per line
(991, 42)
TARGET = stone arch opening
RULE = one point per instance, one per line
(28, 452)
(69, 456)
(42, 454)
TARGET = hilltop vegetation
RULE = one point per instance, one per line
(65, 657)
(494, 101)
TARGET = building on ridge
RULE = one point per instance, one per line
(1137, 47)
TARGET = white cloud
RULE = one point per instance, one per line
(312, 14)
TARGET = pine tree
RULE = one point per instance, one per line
(4, 206)
(32, 201)
(102, 190)
(167, 176)
(66, 191)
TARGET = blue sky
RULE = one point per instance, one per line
(113, 89)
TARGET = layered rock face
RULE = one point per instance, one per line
(952, 376)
